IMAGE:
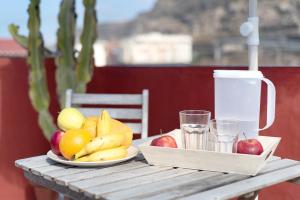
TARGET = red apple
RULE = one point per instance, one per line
(54, 142)
(250, 146)
(164, 141)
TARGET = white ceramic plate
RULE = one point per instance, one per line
(132, 152)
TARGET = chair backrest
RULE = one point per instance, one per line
(135, 118)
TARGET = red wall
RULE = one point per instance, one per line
(171, 89)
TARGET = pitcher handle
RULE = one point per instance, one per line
(271, 99)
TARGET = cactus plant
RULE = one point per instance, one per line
(71, 72)
(84, 69)
(38, 90)
(65, 61)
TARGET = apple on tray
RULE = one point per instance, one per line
(249, 146)
(164, 141)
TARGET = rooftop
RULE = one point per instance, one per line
(10, 48)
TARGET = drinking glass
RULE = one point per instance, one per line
(223, 136)
(194, 126)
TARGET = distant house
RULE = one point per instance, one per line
(10, 48)
(157, 48)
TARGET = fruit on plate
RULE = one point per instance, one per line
(93, 138)
(117, 127)
(101, 143)
(73, 141)
(90, 125)
(54, 142)
(105, 155)
(249, 146)
(103, 124)
(70, 118)
(164, 141)
(106, 125)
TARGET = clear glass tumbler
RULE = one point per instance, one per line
(223, 136)
(194, 126)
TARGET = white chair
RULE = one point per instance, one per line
(136, 118)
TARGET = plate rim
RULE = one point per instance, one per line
(92, 164)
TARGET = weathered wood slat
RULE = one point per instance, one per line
(64, 178)
(65, 172)
(81, 185)
(107, 99)
(44, 169)
(39, 180)
(137, 180)
(50, 175)
(248, 185)
(133, 182)
(121, 185)
(214, 182)
(21, 162)
(151, 188)
(41, 162)
(116, 113)
(189, 184)
(195, 186)
(186, 185)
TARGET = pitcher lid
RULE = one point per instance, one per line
(237, 74)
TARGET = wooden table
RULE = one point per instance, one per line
(135, 179)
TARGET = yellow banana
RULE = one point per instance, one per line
(82, 159)
(121, 128)
(105, 155)
(101, 143)
(90, 125)
(103, 124)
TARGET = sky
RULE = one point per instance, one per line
(15, 11)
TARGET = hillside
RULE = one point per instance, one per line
(206, 20)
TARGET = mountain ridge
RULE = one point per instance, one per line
(206, 20)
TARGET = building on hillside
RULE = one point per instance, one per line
(157, 48)
(10, 48)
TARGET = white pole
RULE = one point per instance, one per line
(253, 48)
(250, 30)
(253, 57)
(252, 8)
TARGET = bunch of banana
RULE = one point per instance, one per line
(103, 124)
(104, 155)
(111, 141)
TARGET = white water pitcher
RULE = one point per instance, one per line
(237, 97)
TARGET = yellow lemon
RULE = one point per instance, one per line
(70, 118)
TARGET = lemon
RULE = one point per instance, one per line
(70, 118)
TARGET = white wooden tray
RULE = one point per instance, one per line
(208, 160)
